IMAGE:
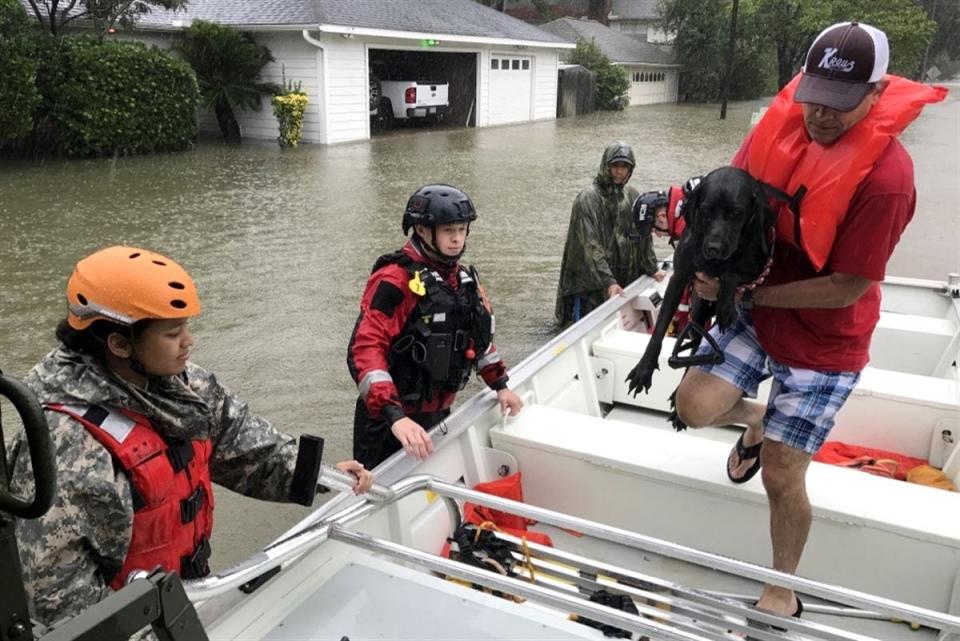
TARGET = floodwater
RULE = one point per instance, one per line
(281, 242)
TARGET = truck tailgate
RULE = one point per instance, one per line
(430, 94)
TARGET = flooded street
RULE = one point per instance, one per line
(281, 243)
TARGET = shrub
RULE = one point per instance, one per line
(289, 108)
(18, 72)
(228, 64)
(119, 97)
(612, 80)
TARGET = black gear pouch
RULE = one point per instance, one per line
(437, 358)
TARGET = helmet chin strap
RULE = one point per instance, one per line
(430, 249)
(137, 366)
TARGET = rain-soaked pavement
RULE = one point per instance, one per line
(280, 243)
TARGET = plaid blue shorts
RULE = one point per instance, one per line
(803, 402)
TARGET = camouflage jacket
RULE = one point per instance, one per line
(70, 554)
(602, 247)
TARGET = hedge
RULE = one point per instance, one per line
(18, 72)
(119, 98)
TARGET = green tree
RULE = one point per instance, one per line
(104, 14)
(702, 34)
(905, 22)
(773, 37)
(228, 65)
(783, 22)
(18, 72)
(612, 80)
(946, 13)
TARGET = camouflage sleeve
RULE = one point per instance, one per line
(72, 552)
(249, 455)
(586, 260)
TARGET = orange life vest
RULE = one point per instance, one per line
(781, 154)
(171, 488)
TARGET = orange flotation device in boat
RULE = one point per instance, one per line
(823, 179)
(932, 477)
(509, 487)
(868, 459)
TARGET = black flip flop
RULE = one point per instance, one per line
(744, 453)
(795, 615)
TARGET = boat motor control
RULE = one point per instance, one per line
(640, 314)
(307, 472)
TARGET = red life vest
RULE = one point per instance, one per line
(675, 221)
(171, 489)
(781, 154)
(675, 226)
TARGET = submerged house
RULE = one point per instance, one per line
(652, 68)
(499, 69)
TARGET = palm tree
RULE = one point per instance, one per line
(228, 65)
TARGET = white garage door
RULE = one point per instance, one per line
(649, 86)
(511, 89)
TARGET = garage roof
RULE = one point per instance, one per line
(465, 20)
(454, 17)
(618, 47)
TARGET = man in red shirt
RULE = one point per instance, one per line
(830, 138)
(425, 326)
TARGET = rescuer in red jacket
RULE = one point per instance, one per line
(425, 326)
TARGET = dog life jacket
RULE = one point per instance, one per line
(675, 221)
(171, 490)
(446, 335)
(782, 155)
(675, 226)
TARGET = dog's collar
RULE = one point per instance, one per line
(759, 280)
(749, 287)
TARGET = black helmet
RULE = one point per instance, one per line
(434, 205)
(645, 210)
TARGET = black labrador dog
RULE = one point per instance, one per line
(728, 235)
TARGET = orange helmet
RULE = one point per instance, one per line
(125, 285)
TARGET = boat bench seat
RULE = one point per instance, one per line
(674, 486)
(888, 409)
(625, 348)
(921, 341)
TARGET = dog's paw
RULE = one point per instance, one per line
(726, 316)
(674, 417)
(641, 378)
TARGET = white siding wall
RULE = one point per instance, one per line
(483, 88)
(348, 89)
(297, 59)
(545, 80)
(646, 89)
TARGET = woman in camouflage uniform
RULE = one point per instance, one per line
(139, 433)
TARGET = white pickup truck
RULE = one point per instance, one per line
(409, 100)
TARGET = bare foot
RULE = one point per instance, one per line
(778, 601)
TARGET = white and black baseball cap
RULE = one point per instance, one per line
(842, 65)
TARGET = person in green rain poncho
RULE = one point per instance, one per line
(603, 252)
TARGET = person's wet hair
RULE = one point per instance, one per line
(93, 340)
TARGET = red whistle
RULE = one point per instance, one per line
(470, 354)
